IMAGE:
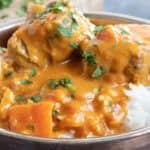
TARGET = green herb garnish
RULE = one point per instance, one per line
(8, 73)
(5, 3)
(89, 57)
(25, 82)
(53, 83)
(99, 29)
(74, 45)
(36, 98)
(55, 7)
(20, 98)
(64, 30)
(33, 72)
(99, 71)
(65, 82)
(124, 31)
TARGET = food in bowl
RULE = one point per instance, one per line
(64, 77)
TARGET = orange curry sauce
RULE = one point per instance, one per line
(64, 77)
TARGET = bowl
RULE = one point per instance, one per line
(134, 140)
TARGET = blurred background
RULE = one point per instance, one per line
(140, 8)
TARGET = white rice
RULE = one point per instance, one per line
(138, 107)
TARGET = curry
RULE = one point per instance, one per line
(63, 76)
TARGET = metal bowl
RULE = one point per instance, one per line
(134, 140)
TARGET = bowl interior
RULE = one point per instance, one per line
(7, 29)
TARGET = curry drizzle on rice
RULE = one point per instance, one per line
(63, 76)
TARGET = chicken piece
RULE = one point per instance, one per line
(124, 50)
(6, 102)
(51, 35)
(6, 68)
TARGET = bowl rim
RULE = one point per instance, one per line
(123, 136)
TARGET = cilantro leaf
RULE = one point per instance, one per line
(99, 71)
(124, 31)
(57, 7)
(36, 98)
(89, 57)
(33, 72)
(65, 82)
(20, 98)
(99, 29)
(65, 31)
(25, 82)
(53, 83)
(74, 45)
(68, 31)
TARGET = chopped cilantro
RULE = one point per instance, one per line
(65, 82)
(36, 98)
(74, 45)
(124, 31)
(8, 73)
(55, 7)
(99, 29)
(53, 83)
(99, 71)
(25, 82)
(5, 3)
(65, 30)
(89, 57)
(33, 72)
(20, 98)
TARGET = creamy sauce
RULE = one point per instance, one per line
(69, 81)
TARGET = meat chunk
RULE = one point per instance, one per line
(6, 68)
(123, 50)
(49, 35)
